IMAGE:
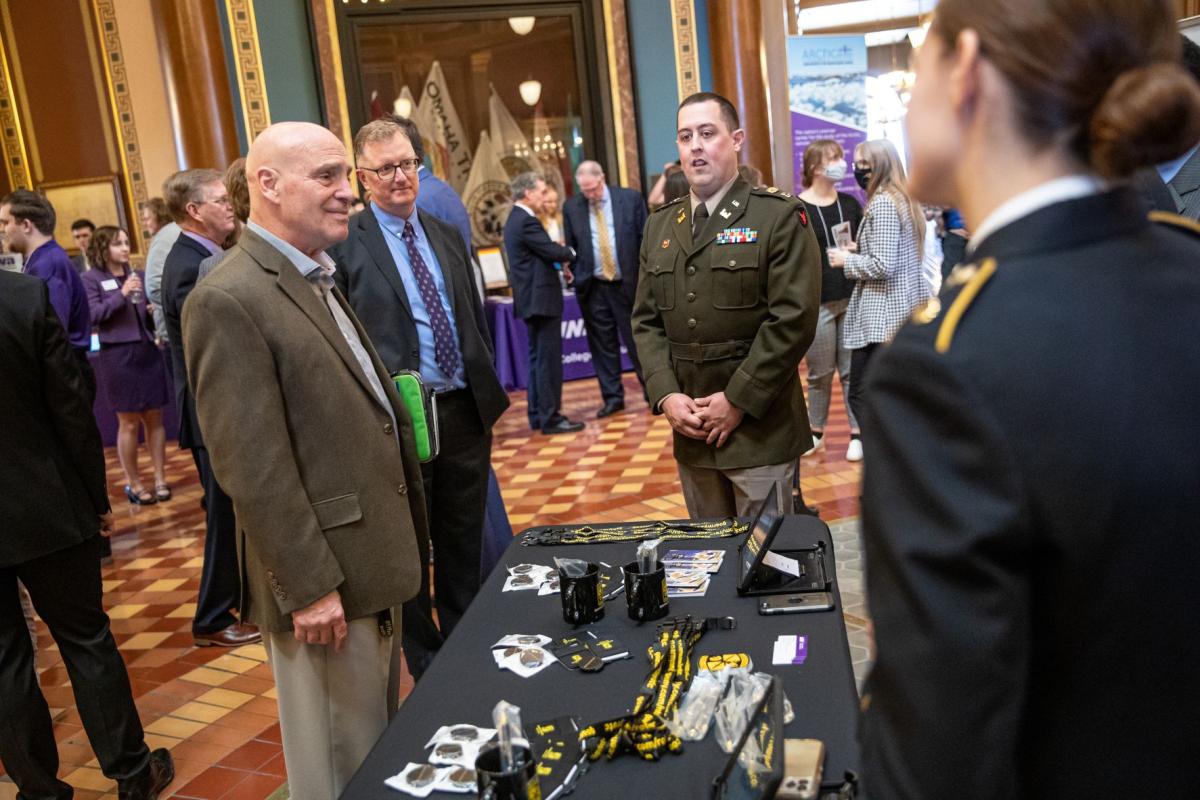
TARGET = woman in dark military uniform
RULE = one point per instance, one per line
(1032, 484)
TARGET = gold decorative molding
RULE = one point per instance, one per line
(256, 112)
(620, 77)
(12, 141)
(93, 62)
(122, 111)
(687, 68)
(333, 82)
(33, 162)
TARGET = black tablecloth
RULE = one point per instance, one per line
(464, 683)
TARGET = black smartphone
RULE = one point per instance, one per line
(795, 603)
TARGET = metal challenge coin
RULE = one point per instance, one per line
(420, 777)
(464, 733)
(448, 750)
(522, 569)
(462, 778)
(521, 580)
(529, 640)
(531, 658)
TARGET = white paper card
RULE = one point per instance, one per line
(782, 563)
(109, 285)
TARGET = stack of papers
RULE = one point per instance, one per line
(688, 571)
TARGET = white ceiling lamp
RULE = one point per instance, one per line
(521, 26)
(531, 91)
(403, 107)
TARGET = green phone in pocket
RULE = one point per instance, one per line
(422, 408)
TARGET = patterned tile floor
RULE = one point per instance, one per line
(215, 708)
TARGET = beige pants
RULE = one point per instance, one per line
(333, 706)
(715, 493)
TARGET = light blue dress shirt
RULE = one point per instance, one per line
(1169, 170)
(606, 208)
(393, 229)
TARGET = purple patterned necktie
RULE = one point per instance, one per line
(445, 349)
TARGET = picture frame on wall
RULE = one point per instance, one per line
(97, 199)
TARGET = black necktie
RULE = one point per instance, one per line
(445, 349)
(699, 217)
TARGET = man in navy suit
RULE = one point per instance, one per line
(604, 226)
(538, 299)
(199, 202)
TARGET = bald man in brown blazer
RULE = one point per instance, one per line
(308, 436)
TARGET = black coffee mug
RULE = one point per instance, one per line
(582, 597)
(646, 592)
(518, 783)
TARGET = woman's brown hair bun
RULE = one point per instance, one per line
(1149, 115)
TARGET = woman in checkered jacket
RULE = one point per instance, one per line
(887, 261)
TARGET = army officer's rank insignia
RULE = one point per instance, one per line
(737, 236)
(666, 243)
(682, 216)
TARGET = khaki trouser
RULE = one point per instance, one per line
(333, 706)
(713, 493)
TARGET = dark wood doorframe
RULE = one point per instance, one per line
(595, 106)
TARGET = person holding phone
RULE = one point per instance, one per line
(1030, 502)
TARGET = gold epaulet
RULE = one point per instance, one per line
(1176, 221)
(961, 303)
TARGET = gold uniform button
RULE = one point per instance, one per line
(692, 323)
(691, 270)
(733, 263)
(691, 297)
(402, 489)
(387, 428)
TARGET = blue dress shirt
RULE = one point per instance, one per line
(436, 197)
(606, 207)
(393, 229)
(1169, 170)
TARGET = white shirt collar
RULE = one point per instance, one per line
(1047, 194)
(528, 210)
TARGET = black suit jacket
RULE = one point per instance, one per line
(181, 270)
(367, 276)
(629, 221)
(1030, 516)
(531, 253)
(52, 487)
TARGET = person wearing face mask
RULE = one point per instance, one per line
(1029, 508)
(886, 266)
(825, 167)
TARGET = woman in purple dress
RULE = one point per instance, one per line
(129, 369)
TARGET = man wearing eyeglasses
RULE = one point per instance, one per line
(199, 204)
(408, 278)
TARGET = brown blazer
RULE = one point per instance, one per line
(325, 496)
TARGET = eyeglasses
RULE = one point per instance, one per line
(223, 200)
(408, 166)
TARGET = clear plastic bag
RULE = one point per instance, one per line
(572, 567)
(692, 720)
(735, 709)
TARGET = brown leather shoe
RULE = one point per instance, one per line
(235, 635)
(148, 783)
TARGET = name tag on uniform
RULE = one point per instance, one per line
(109, 285)
(737, 236)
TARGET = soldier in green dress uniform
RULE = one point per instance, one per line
(727, 301)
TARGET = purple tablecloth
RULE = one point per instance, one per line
(510, 339)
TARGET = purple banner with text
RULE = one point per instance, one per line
(827, 93)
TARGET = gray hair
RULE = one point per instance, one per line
(186, 187)
(524, 183)
(590, 167)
